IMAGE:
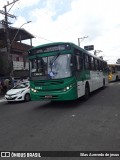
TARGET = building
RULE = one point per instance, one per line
(14, 63)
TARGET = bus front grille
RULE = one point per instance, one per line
(43, 83)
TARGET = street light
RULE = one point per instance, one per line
(10, 56)
(82, 39)
(19, 30)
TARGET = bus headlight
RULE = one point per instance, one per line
(67, 88)
(33, 90)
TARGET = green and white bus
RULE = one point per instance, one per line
(63, 71)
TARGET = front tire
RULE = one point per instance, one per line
(27, 97)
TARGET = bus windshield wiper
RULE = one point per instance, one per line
(54, 59)
(51, 74)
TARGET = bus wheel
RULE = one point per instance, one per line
(116, 78)
(87, 93)
(103, 83)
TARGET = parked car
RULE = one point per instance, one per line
(20, 92)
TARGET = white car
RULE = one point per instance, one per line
(20, 92)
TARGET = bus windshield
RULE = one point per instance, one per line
(51, 67)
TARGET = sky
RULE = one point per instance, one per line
(68, 20)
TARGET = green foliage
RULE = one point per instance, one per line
(118, 61)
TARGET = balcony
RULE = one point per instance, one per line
(20, 65)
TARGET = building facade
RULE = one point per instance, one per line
(15, 62)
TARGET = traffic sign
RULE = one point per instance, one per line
(89, 48)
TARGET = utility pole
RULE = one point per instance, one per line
(82, 38)
(6, 23)
(8, 45)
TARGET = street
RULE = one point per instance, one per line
(93, 125)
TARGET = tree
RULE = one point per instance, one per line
(118, 61)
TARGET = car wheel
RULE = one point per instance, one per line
(27, 97)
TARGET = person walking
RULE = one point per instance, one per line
(1, 88)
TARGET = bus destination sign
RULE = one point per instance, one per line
(50, 49)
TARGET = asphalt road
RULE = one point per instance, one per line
(93, 125)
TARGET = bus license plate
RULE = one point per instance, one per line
(48, 97)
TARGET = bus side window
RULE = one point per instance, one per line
(113, 69)
(87, 61)
(81, 60)
(78, 60)
(96, 64)
(92, 63)
(100, 65)
(118, 68)
(105, 68)
(34, 65)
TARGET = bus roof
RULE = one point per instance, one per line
(70, 43)
(48, 44)
(113, 64)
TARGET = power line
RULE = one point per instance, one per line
(43, 38)
(62, 29)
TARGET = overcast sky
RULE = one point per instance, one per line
(68, 20)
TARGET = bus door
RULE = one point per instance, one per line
(98, 75)
(94, 74)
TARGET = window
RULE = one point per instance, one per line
(105, 68)
(78, 60)
(96, 64)
(51, 67)
(118, 68)
(100, 65)
(87, 62)
(113, 70)
(92, 63)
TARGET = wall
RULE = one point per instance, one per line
(5, 65)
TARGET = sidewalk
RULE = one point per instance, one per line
(2, 99)
(1, 96)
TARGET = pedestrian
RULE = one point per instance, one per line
(1, 89)
(6, 83)
(4, 87)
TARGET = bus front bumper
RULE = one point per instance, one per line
(70, 94)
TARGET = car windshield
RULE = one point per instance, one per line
(21, 85)
(52, 67)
